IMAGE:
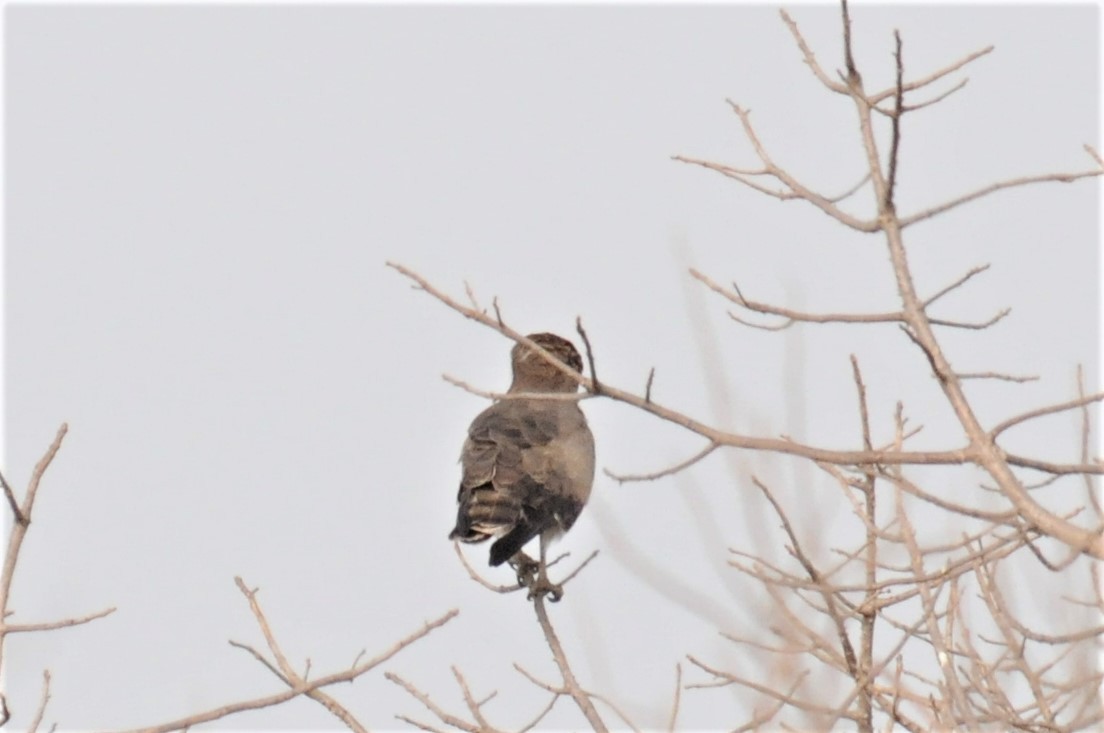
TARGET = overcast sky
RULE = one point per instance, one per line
(199, 204)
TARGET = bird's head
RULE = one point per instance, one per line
(533, 373)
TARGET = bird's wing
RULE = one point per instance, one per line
(502, 441)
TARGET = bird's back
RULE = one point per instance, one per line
(528, 467)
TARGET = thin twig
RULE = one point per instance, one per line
(853, 78)
(673, 719)
(260, 658)
(596, 386)
(471, 295)
(540, 716)
(926, 103)
(470, 701)
(479, 578)
(16, 512)
(548, 396)
(958, 283)
(792, 315)
(43, 699)
(997, 375)
(669, 471)
(578, 569)
(52, 625)
(933, 77)
(895, 140)
(928, 213)
(869, 609)
(1048, 410)
(1095, 155)
(810, 58)
(827, 594)
(1086, 427)
(851, 191)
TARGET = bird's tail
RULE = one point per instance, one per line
(511, 543)
(484, 513)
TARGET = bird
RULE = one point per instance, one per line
(527, 463)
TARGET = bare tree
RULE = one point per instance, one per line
(904, 627)
(898, 630)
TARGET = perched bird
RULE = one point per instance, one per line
(528, 463)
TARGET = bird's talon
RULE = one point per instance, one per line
(541, 586)
(526, 569)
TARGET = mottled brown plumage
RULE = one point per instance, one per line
(528, 463)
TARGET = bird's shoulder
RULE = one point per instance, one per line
(525, 423)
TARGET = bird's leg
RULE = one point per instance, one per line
(525, 567)
(542, 585)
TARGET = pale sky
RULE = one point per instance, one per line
(199, 204)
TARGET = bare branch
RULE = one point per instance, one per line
(977, 326)
(997, 375)
(895, 141)
(1093, 468)
(300, 689)
(581, 698)
(19, 531)
(52, 625)
(596, 386)
(260, 658)
(854, 80)
(810, 58)
(577, 570)
(286, 672)
(419, 724)
(1095, 155)
(926, 103)
(16, 512)
(42, 701)
(479, 578)
(794, 188)
(540, 716)
(1086, 426)
(1048, 410)
(828, 596)
(933, 77)
(423, 698)
(789, 314)
(762, 718)
(471, 296)
(470, 701)
(851, 191)
(673, 719)
(549, 396)
(669, 471)
(788, 698)
(928, 213)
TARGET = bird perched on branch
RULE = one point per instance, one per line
(528, 462)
